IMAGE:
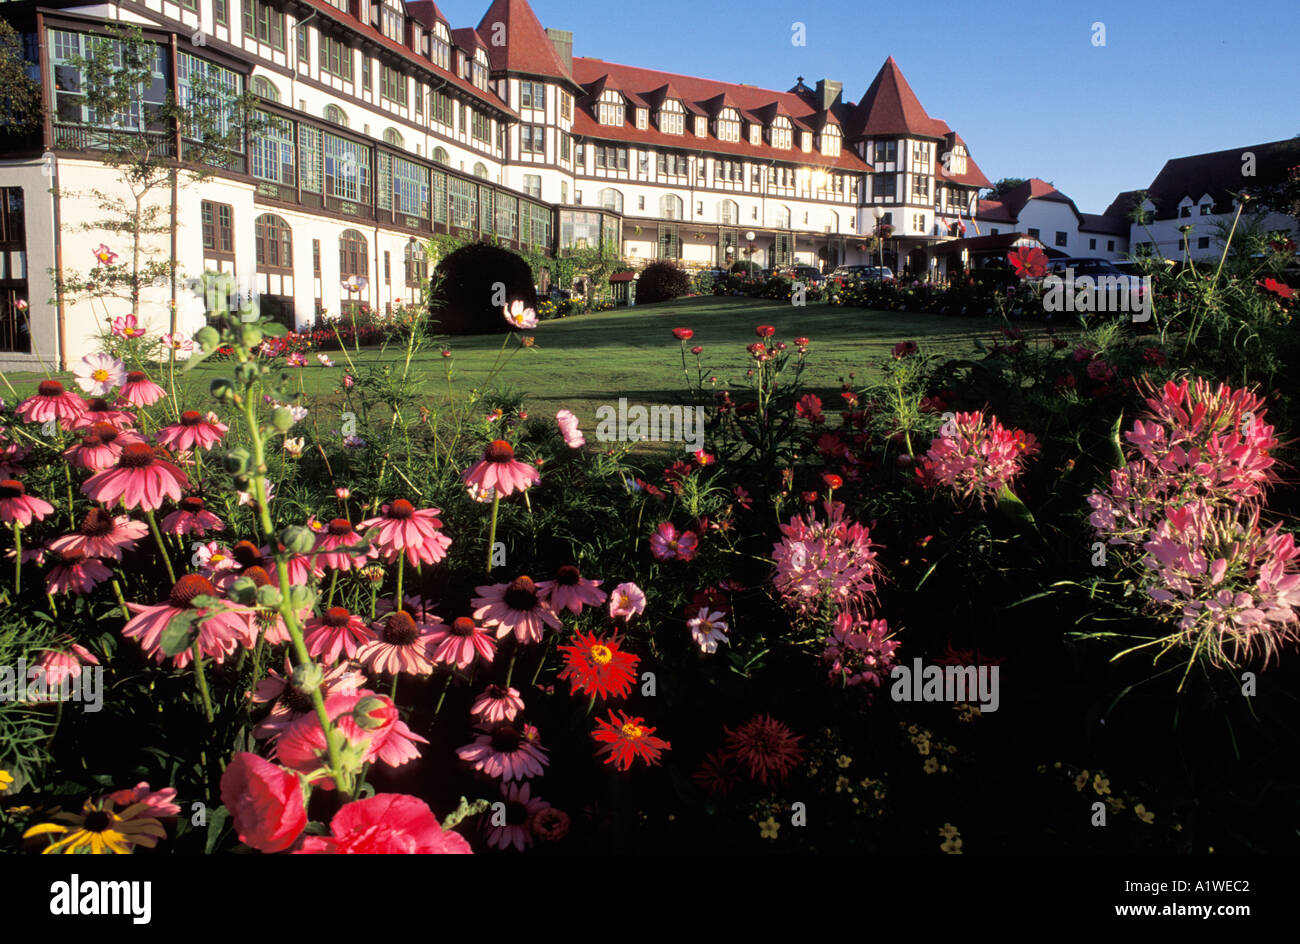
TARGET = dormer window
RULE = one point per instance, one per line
(701, 127)
(392, 20)
(755, 135)
(782, 134)
(957, 163)
(440, 47)
(830, 141)
(480, 71)
(610, 109)
(728, 125)
(642, 119)
(672, 117)
(805, 141)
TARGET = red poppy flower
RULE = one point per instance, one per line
(765, 331)
(626, 738)
(683, 334)
(832, 480)
(1030, 263)
(597, 666)
(1280, 289)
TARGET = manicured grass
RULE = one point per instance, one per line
(585, 361)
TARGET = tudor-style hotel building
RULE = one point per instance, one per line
(388, 125)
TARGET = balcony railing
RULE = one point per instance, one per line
(87, 138)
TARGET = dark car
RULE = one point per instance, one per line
(809, 275)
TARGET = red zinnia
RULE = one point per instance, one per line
(597, 666)
(626, 738)
(1280, 289)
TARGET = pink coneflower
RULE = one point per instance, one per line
(667, 544)
(404, 528)
(336, 632)
(52, 402)
(100, 447)
(17, 505)
(521, 807)
(11, 458)
(515, 607)
(220, 633)
(707, 629)
(501, 750)
(140, 478)
(626, 601)
(289, 703)
(57, 666)
(74, 572)
(194, 431)
(459, 643)
(498, 469)
(401, 645)
(139, 390)
(568, 424)
(102, 535)
(99, 411)
(570, 591)
(97, 374)
(497, 703)
(765, 747)
(340, 533)
(160, 803)
(191, 517)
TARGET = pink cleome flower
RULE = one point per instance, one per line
(978, 460)
(825, 566)
(859, 652)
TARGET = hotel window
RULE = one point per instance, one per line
(410, 188)
(579, 230)
(264, 23)
(273, 242)
(263, 88)
(1110, 245)
(782, 250)
(335, 58)
(728, 212)
(532, 139)
(1034, 233)
(532, 95)
(218, 227)
(1092, 244)
(417, 265)
(222, 88)
(918, 222)
(921, 155)
(419, 98)
(670, 246)
(335, 116)
(566, 105)
(393, 86)
(221, 12)
(781, 217)
(388, 268)
(701, 127)
(310, 159)
(354, 256)
(1203, 242)
(304, 50)
(1062, 238)
(642, 119)
(566, 145)
(479, 72)
(993, 231)
(755, 135)
(440, 50)
(611, 158)
(480, 126)
(1185, 211)
(884, 186)
(640, 203)
(273, 151)
(830, 144)
(69, 97)
(673, 165)
(672, 118)
(729, 125)
(480, 170)
(440, 109)
(315, 257)
(920, 187)
(15, 327)
(392, 20)
(347, 169)
(438, 195)
(611, 199)
(365, 73)
(580, 156)
(394, 137)
(609, 109)
(533, 185)
(564, 191)
(886, 152)
(670, 206)
(1205, 209)
(782, 134)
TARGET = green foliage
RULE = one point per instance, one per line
(20, 97)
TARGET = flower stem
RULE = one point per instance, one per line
(443, 697)
(492, 531)
(510, 670)
(162, 548)
(401, 569)
(18, 558)
(201, 679)
(334, 579)
(117, 592)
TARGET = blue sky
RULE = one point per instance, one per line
(1021, 82)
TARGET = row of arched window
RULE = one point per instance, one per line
(671, 207)
(273, 241)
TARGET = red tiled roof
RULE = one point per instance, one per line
(1033, 189)
(348, 22)
(891, 107)
(426, 12)
(700, 97)
(468, 38)
(994, 211)
(529, 50)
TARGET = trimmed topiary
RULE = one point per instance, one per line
(466, 283)
(661, 281)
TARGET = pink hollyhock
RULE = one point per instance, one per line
(73, 572)
(386, 824)
(667, 544)
(859, 651)
(570, 591)
(191, 517)
(140, 479)
(139, 390)
(265, 802)
(515, 607)
(825, 566)
(194, 431)
(102, 535)
(461, 642)
(52, 402)
(505, 751)
(499, 470)
(339, 533)
(220, 632)
(17, 506)
(521, 807)
(335, 633)
(568, 424)
(626, 601)
(979, 459)
(405, 529)
(497, 703)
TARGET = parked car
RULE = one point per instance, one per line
(1111, 289)
(809, 275)
(717, 273)
(863, 273)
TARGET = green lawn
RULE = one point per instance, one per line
(588, 360)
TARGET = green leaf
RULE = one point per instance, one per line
(273, 329)
(216, 821)
(1009, 504)
(1116, 442)
(179, 634)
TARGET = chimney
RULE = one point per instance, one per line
(562, 40)
(828, 93)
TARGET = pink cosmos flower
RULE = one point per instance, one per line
(102, 535)
(708, 629)
(337, 534)
(386, 824)
(461, 642)
(498, 469)
(568, 424)
(139, 390)
(570, 591)
(401, 645)
(194, 431)
(505, 751)
(335, 633)
(324, 360)
(403, 529)
(521, 807)
(105, 256)
(519, 315)
(667, 544)
(73, 572)
(98, 374)
(56, 666)
(52, 402)
(140, 479)
(17, 506)
(497, 703)
(191, 517)
(177, 343)
(626, 601)
(296, 359)
(515, 607)
(221, 632)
